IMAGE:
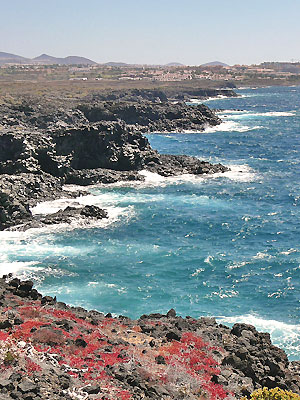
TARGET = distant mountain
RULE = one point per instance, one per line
(214, 64)
(46, 59)
(116, 64)
(174, 64)
(8, 58)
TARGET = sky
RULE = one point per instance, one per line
(191, 32)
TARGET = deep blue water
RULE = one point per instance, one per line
(225, 245)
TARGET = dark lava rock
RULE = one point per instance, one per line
(5, 324)
(64, 381)
(171, 313)
(19, 192)
(173, 335)
(86, 177)
(93, 212)
(160, 360)
(26, 286)
(170, 165)
(18, 321)
(80, 342)
(238, 329)
(15, 282)
(92, 389)
(66, 216)
(47, 300)
(145, 116)
(247, 358)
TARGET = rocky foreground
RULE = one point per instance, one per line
(49, 350)
(47, 143)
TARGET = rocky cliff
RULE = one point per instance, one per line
(45, 144)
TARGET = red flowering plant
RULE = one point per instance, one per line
(191, 366)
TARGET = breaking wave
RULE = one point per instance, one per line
(230, 126)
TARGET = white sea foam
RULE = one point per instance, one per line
(220, 97)
(152, 179)
(282, 334)
(196, 101)
(230, 126)
(75, 188)
(245, 95)
(237, 265)
(290, 251)
(261, 255)
(51, 207)
(197, 272)
(19, 268)
(240, 173)
(208, 260)
(115, 215)
(106, 200)
(249, 115)
(223, 294)
(226, 112)
(279, 114)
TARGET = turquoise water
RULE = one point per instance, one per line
(225, 245)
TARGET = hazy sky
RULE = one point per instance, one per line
(153, 31)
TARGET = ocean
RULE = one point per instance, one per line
(225, 245)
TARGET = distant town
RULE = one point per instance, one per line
(74, 68)
(281, 72)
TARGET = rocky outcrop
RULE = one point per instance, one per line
(143, 110)
(68, 215)
(54, 351)
(35, 164)
(170, 165)
(182, 92)
(103, 145)
(248, 359)
(18, 192)
(85, 177)
(108, 145)
(45, 144)
(152, 117)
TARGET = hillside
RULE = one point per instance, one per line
(215, 64)
(46, 59)
(8, 58)
(43, 59)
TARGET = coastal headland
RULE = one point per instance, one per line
(48, 143)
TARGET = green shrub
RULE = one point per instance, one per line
(10, 358)
(273, 394)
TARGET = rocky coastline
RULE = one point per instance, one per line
(49, 350)
(48, 143)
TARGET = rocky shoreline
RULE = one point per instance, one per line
(50, 350)
(46, 144)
